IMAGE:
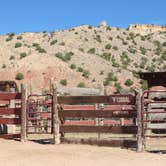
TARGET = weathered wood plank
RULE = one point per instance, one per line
(10, 96)
(9, 111)
(111, 143)
(101, 129)
(10, 136)
(97, 114)
(112, 99)
(10, 121)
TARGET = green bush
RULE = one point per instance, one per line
(144, 84)
(65, 57)
(3, 66)
(81, 85)
(163, 56)
(35, 45)
(92, 51)
(129, 82)
(80, 69)
(106, 56)
(115, 48)
(86, 73)
(108, 46)
(63, 82)
(19, 76)
(40, 50)
(19, 37)
(12, 57)
(118, 87)
(143, 50)
(164, 44)
(98, 38)
(73, 66)
(18, 45)
(23, 55)
(53, 42)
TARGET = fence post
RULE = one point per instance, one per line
(139, 122)
(56, 122)
(23, 112)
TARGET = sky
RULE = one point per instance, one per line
(47, 15)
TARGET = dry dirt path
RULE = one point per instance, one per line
(14, 153)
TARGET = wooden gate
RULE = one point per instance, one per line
(39, 114)
(154, 118)
(10, 115)
(99, 114)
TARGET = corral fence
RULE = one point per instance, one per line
(99, 114)
(127, 120)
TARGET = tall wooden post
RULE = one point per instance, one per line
(140, 146)
(23, 112)
(56, 122)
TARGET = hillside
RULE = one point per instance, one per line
(82, 56)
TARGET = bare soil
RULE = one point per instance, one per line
(16, 153)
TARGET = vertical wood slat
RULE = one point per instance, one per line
(140, 146)
(56, 122)
(23, 112)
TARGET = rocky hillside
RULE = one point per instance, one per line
(82, 56)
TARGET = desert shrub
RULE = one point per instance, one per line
(108, 28)
(129, 82)
(90, 27)
(9, 38)
(40, 50)
(65, 57)
(101, 72)
(132, 35)
(163, 56)
(92, 51)
(108, 46)
(151, 68)
(164, 44)
(63, 82)
(143, 50)
(73, 66)
(115, 48)
(12, 57)
(118, 87)
(19, 76)
(62, 43)
(35, 45)
(132, 50)
(110, 77)
(81, 49)
(98, 38)
(125, 59)
(86, 73)
(3, 66)
(80, 69)
(81, 85)
(144, 60)
(23, 55)
(106, 56)
(144, 84)
(53, 42)
(18, 45)
(19, 37)
(110, 38)
(157, 43)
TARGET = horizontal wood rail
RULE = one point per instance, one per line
(10, 96)
(9, 111)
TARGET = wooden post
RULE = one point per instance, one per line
(56, 122)
(140, 146)
(23, 112)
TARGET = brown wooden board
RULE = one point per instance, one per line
(9, 111)
(99, 129)
(97, 114)
(10, 121)
(9, 136)
(112, 99)
(10, 96)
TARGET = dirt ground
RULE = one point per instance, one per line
(16, 153)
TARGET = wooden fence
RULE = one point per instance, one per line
(12, 108)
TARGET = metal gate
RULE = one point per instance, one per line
(153, 115)
(40, 114)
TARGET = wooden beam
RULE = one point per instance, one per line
(97, 114)
(10, 121)
(9, 136)
(9, 111)
(101, 129)
(139, 105)
(10, 96)
(56, 122)
(23, 112)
